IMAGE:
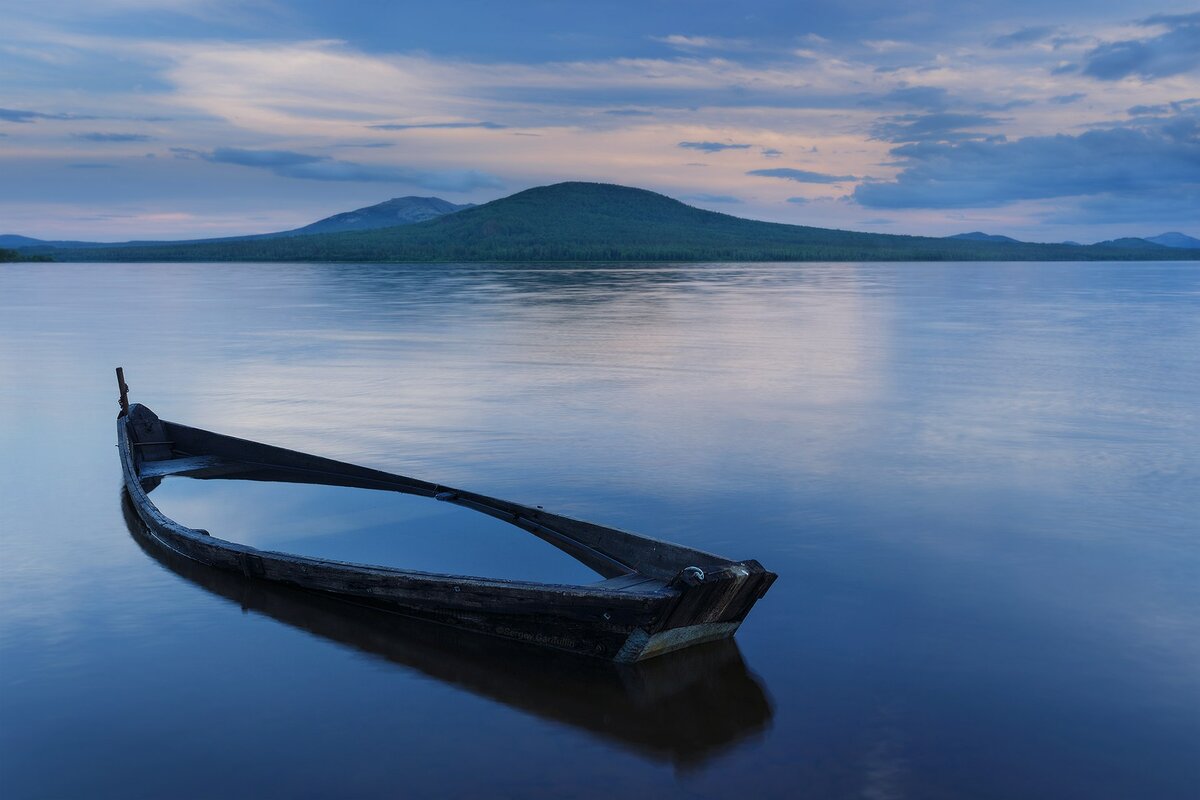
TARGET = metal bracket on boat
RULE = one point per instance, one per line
(689, 576)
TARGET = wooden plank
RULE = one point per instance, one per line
(634, 581)
(145, 427)
(187, 466)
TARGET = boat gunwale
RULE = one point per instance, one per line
(142, 502)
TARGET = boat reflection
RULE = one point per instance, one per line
(683, 708)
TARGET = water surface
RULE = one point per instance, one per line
(979, 484)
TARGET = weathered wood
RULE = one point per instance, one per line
(658, 597)
(190, 466)
(123, 388)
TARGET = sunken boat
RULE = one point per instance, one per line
(655, 597)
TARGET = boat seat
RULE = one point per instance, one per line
(193, 466)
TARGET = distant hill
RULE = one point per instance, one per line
(604, 222)
(15, 242)
(388, 214)
(980, 236)
(1175, 239)
(1131, 243)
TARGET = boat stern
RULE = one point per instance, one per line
(711, 605)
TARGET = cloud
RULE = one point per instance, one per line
(290, 164)
(1067, 99)
(710, 198)
(90, 165)
(1159, 109)
(771, 152)
(1163, 207)
(928, 97)
(681, 42)
(800, 201)
(19, 115)
(491, 126)
(940, 127)
(1138, 163)
(1023, 36)
(801, 175)
(628, 112)
(269, 159)
(1174, 52)
(713, 147)
(113, 137)
(16, 115)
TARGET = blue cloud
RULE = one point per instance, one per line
(628, 112)
(19, 115)
(710, 198)
(491, 126)
(1171, 53)
(801, 175)
(1067, 99)
(290, 164)
(269, 159)
(713, 147)
(1176, 106)
(113, 137)
(928, 97)
(1164, 206)
(16, 115)
(940, 127)
(800, 201)
(771, 152)
(1140, 164)
(1023, 36)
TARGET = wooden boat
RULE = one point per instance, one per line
(655, 596)
(685, 708)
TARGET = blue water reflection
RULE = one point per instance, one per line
(979, 484)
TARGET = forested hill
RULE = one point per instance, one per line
(604, 222)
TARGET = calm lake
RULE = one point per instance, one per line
(979, 484)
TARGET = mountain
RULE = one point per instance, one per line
(1131, 243)
(603, 222)
(388, 214)
(12, 241)
(1175, 239)
(15, 242)
(980, 236)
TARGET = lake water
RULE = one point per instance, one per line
(979, 484)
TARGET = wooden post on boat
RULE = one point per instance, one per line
(124, 389)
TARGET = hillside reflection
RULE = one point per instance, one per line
(684, 708)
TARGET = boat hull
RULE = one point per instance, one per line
(631, 617)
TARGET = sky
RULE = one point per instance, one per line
(159, 119)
